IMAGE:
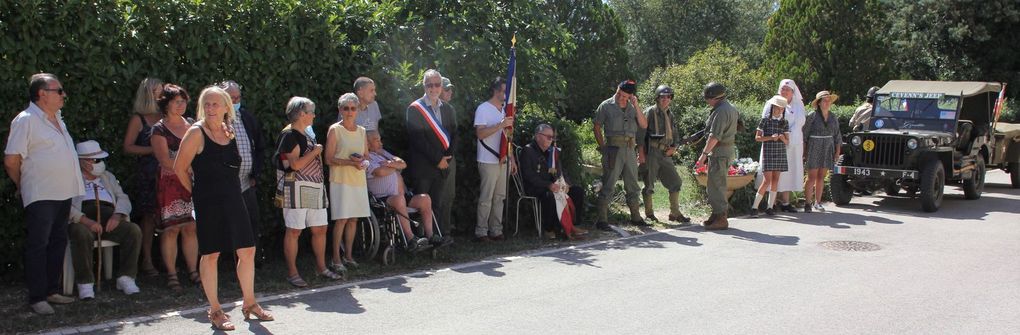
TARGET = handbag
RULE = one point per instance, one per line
(297, 193)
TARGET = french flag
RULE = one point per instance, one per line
(511, 98)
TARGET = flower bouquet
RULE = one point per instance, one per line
(741, 172)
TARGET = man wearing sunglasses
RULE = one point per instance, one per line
(42, 161)
(430, 133)
(541, 172)
(617, 121)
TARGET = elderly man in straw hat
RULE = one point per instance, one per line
(722, 133)
(103, 197)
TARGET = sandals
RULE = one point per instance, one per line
(173, 283)
(330, 275)
(221, 321)
(195, 278)
(260, 314)
(296, 281)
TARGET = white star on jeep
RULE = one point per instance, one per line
(883, 173)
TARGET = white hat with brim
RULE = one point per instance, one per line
(779, 100)
(90, 149)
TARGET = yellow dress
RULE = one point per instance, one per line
(348, 186)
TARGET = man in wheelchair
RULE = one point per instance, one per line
(386, 184)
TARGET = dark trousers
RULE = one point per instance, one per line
(433, 186)
(550, 218)
(45, 242)
(251, 202)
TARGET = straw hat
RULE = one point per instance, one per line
(778, 100)
(822, 95)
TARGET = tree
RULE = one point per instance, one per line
(666, 32)
(829, 45)
(957, 39)
(599, 61)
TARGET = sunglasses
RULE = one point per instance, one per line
(433, 85)
(58, 90)
(348, 108)
(94, 160)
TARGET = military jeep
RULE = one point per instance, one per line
(922, 136)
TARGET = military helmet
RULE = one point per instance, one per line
(714, 90)
(872, 91)
(663, 90)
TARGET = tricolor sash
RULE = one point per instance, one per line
(430, 118)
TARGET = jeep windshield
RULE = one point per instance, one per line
(915, 111)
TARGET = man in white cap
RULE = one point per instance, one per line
(103, 197)
(41, 161)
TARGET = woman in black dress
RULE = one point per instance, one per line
(209, 150)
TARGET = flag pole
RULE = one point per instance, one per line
(509, 102)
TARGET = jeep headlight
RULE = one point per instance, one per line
(856, 140)
(912, 144)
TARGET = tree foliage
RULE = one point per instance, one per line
(717, 63)
(956, 39)
(829, 45)
(664, 32)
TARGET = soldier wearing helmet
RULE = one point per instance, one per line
(657, 144)
(721, 129)
(862, 115)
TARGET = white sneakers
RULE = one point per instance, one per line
(127, 284)
(86, 292)
(124, 283)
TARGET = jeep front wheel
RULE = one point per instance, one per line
(840, 189)
(933, 179)
(972, 187)
(1014, 174)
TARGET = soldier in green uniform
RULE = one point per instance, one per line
(617, 122)
(722, 130)
(656, 146)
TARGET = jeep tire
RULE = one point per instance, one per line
(840, 189)
(1014, 174)
(933, 180)
(972, 187)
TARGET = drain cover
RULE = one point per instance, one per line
(850, 246)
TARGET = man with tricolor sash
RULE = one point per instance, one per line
(431, 137)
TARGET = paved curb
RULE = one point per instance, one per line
(112, 325)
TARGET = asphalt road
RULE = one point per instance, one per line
(956, 271)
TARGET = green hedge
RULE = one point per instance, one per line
(276, 49)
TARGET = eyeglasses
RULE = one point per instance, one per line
(94, 160)
(549, 137)
(58, 90)
(179, 101)
(433, 85)
(349, 108)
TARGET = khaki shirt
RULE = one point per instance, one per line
(722, 124)
(615, 121)
(657, 129)
(862, 115)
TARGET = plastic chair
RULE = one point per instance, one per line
(68, 276)
(521, 196)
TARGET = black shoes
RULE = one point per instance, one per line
(603, 226)
(754, 213)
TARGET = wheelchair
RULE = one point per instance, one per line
(391, 237)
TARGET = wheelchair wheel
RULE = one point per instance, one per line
(389, 256)
(366, 237)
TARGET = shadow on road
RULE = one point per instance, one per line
(395, 285)
(954, 206)
(487, 268)
(836, 220)
(758, 237)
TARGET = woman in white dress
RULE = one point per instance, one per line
(793, 178)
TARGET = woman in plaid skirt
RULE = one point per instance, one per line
(774, 134)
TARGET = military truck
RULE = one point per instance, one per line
(923, 136)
